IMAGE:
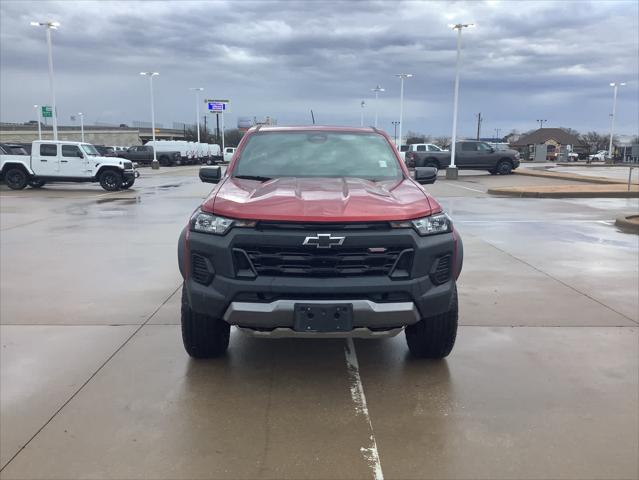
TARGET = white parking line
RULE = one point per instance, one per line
(465, 188)
(369, 452)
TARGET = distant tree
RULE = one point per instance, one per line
(414, 137)
(635, 140)
(232, 137)
(442, 142)
(571, 131)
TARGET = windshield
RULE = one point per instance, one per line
(318, 154)
(89, 149)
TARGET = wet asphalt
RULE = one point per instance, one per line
(94, 382)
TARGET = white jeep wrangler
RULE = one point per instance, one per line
(62, 161)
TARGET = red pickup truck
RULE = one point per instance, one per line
(319, 232)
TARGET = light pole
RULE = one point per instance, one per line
(541, 123)
(361, 120)
(51, 26)
(377, 91)
(402, 77)
(155, 165)
(615, 86)
(37, 109)
(81, 115)
(451, 171)
(497, 133)
(395, 123)
(197, 91)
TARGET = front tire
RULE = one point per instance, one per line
(16, 178)
(504, 167)
(111, 180)
(128, 184)
(434, 337)
(203, 336)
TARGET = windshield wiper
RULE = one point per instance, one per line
(253, 177)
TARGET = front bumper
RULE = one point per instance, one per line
(267, 302)
(130, 174)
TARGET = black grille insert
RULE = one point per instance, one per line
(441, 272)
(312, 262)
(201, 269)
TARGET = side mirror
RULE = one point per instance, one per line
(210, 174)
(80, 154)
(425, 175)
(492, 149)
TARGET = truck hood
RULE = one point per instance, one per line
(320, 200)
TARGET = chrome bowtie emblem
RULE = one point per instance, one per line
(323, 240)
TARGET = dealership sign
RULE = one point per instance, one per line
(217, 106)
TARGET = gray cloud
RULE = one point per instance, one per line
(524, 60)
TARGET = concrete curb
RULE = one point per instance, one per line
(532, 193)
(568, 176)
(627, 225)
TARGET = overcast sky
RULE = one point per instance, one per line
(523, 61)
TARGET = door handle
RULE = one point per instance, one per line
(42, 160)
(64, 161)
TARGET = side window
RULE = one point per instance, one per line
(70, 151)
(484, 147)
(432, 148)
(48, 150)
(468, 147)
(421, 148)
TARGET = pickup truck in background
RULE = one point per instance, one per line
(143, 154)
(418, 147)
(469, 155)
(61, 161)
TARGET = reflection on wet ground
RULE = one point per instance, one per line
(542, 382)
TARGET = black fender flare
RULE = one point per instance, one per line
(181, 249)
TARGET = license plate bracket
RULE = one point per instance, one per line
(323, 317)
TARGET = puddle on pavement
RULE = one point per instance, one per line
(121, 201)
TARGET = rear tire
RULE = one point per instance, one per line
(203, 336)
(434, 337)
(432, 163)
(111, 180)
(16, 178)
(504, 167)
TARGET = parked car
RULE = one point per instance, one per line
(56, 161)
(143, 154)
(228, 153)
(417, 147)
(319, 232)
(105, 151)
(469, 154)
(600, 156)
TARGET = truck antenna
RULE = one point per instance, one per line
(312, 116)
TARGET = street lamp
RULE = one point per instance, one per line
(37, 109)
(402, 77)
(197, 91)
(361, 120)
(541, 123)
(615, 86)
(155, 165)
(451, 171)
(497, 133)
(377, 91)
(81, 115)
(51, 26)
(395, 123)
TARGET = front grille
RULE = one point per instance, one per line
(310, 262)
(441, 272)
(127, 165)
(201, 269)
(320, 227)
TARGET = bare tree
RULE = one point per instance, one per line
(442, 142)
(414, 137)
(232, 137)
(596, 141)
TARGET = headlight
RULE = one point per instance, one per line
(209, 223)
(432, 225)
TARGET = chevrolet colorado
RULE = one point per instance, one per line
(319, 232)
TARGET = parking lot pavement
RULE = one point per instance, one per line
(543, 381)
